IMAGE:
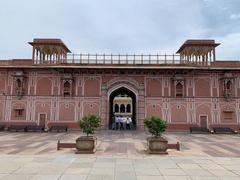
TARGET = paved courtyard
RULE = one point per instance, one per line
(120, 155)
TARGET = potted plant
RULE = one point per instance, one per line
(156, 144)
(87, 144)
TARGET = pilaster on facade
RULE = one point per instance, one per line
(10, 83)
(141, 105)
(8, 108)
(238, 116)
(237, 87)
(189, 110)
(28, 107)
(166, 109)
(238, 111)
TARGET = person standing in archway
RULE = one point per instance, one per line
(116, 122)
(121, 123)
(128, 123)
(113, 125)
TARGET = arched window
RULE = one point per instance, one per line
(229, 85)
(19, 87)
(228, 88)
(67, 89)
(179, 90)
(116, 108)
(122, 108)
(19, 83)
(128, 108)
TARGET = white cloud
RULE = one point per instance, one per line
(108, 26)
(229, 48)
(235, 16)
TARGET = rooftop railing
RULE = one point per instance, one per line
(122, 59)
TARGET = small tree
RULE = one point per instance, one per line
(88, 124)
(156, 126)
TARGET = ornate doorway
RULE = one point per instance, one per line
(122, 102)
(42, 120)
(203, 121)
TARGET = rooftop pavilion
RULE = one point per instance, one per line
(49, 51)
(198, 51)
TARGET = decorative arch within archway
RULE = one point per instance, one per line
(127, 89)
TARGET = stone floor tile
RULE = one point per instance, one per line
(223, 173)
(100, 177)
(45, 177)
(211, 166)
(189, 166)
(73, 177)
(81, 165)
(149, 171)
(102, 171)
(3, 175)
(26, 170)
(236, 172)
(204, 178)
(172, 172)
(167, 166)
(17, 177)
(8, 168)
(105, 160)
(51, 170)
(223, 161)
(183, 161)
(231, 167)
(177, 178)
(78, 170)
(24, 159)
(197, 172)
(150, 178)
(104, 165)
(125, 176)
(124, 161)
(203, 161)
(124, 168)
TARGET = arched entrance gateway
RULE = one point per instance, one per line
(122, 103)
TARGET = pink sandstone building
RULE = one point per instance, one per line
(190, 88)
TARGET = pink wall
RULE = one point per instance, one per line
(91, 87)
(67, 112)
(178, 113)
(155, 96)
(153, 87)
(202, 87)
(44, 86)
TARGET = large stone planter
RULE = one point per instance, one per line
(86, 145)
(157, 145)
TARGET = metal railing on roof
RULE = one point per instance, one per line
(122, 59)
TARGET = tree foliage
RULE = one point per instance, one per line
(156, 126)
(88, 124)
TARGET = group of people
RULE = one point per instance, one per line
(122, 123)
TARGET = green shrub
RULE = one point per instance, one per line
(88, 124)
(156, 126)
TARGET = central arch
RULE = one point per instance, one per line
(122, 91)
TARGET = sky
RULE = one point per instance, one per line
(119, 26)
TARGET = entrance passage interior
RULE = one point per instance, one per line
(122, 109)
